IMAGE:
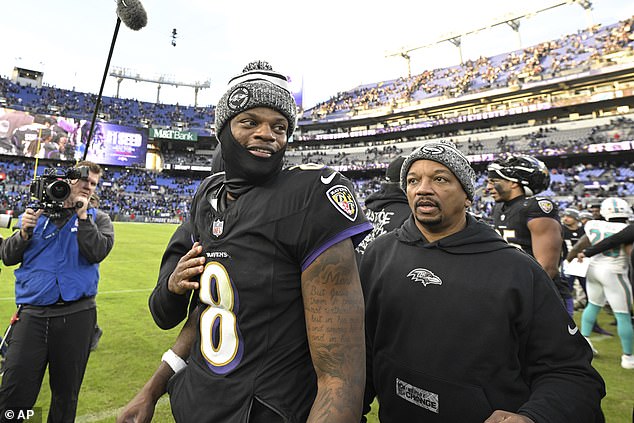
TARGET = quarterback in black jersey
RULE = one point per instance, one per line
(275, 331)
(525, 220)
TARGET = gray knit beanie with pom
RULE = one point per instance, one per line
(257, 86)
(445, 153)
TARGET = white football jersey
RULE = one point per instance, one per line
(616, 259)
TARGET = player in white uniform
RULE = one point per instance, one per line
(607, 277)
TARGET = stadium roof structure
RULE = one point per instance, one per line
(125, 73)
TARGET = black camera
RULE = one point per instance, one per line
(50, 190)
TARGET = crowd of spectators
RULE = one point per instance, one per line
(131, 194)
(546, 140)
(143, 195)
(546, 60)
(121, 111)
(550, 59)
(126, 194)
(187, 158)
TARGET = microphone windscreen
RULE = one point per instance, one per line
(132, 14)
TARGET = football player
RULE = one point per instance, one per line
(607, 278)
(525, 220)
(276, 334)
(573, 231)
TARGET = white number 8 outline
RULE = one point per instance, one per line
(228, 353)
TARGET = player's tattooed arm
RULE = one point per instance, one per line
(333, 305)
(141, 408)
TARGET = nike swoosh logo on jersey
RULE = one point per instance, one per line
(327, 180)
(573, 331)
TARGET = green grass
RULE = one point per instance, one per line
(132, 345)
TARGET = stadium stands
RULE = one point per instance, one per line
(574, 53)
(363, 150)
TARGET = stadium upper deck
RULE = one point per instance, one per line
(544, 100)
(531, 79)
(575, 54)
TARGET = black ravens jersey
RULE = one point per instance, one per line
(570, 238)
(252, 344)
(511, 219)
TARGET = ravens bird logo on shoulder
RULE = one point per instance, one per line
(545, 205)
(343, 200)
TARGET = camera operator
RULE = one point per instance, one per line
(56, 283)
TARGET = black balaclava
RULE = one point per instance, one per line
(243, 170)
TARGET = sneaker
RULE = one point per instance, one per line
(96, 336)
(594, 350)
(627, 361)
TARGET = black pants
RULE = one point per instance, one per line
(62, 343)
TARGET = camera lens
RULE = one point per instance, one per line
(58, 190)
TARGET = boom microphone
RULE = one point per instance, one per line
(132, 14)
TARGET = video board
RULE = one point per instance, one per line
(63, 138)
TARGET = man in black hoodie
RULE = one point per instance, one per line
(461, 326)
(387, 208)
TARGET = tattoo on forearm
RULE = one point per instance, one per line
(334, 317)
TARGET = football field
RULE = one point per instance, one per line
(132, 345)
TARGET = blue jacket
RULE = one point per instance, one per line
(53, 268)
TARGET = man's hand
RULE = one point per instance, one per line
(82, 212)
(188, 267)
(139, 410)
(507, 417)
(29, 220)
(580, 257)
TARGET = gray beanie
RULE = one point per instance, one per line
(445, 153)
(257, 86)
(574, 213)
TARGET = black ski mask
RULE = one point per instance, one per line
(243, 170)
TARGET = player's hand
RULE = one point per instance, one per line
(139, 410)
(28, 222)
(580, 257)
(507, 417)
(188, 267)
